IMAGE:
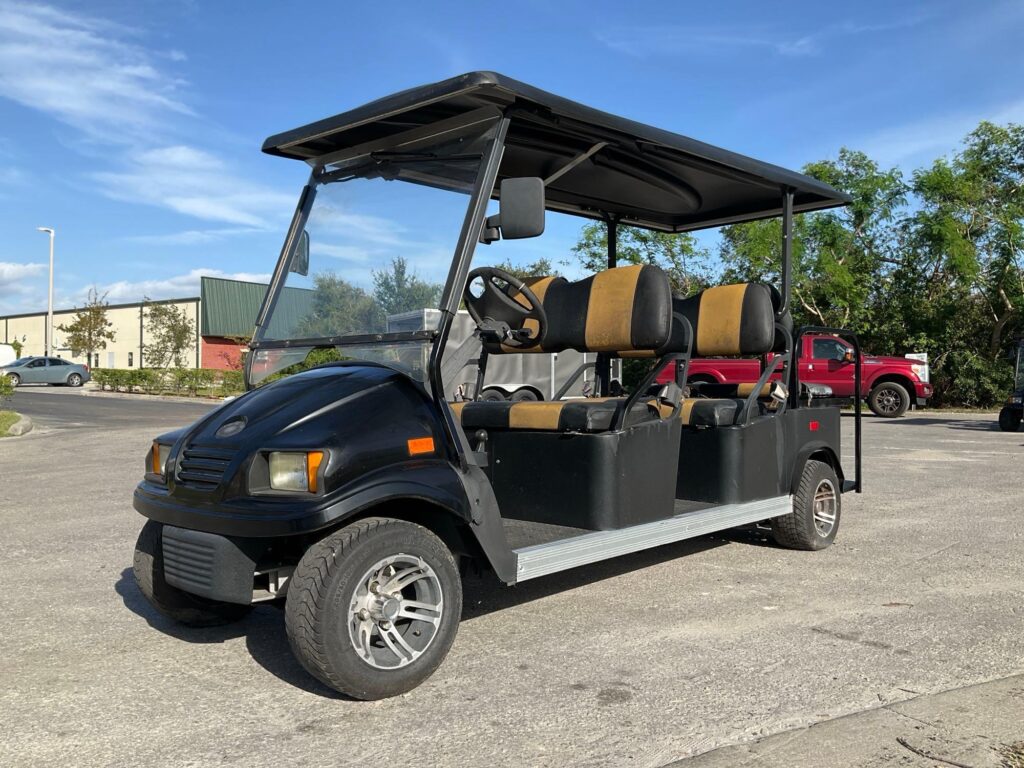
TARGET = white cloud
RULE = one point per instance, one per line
(928, 137)
(11, 274)
(192, 236)
(670, 40)
(179, 286)
(84, 71)
(194, 183)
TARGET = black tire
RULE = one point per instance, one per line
(323, 593)
(800, 529)
(889, 400)
(15, 379)
(75, 380)
(1009, 419)
(524, 395)
(183, 607)
(493, 395)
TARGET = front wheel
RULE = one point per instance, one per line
(817, 504)
(889, 400)
(373, 608)
(1009, 419)
(183, 607)
(14, 378)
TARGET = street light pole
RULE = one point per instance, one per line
(49, 303)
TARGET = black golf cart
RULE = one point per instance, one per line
(349, 482)
(1012, 412)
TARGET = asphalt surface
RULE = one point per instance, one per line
(643, 661)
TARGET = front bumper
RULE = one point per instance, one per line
(208, 565)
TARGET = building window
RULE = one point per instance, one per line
(96, 360)
(131, 359)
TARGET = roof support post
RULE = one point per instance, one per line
(787, 248)
(603, 369)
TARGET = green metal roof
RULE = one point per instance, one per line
(229, 307)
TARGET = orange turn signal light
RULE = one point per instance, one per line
(155, 466)
(420, 445)
(313, 461)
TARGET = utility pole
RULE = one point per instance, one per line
(49, 303)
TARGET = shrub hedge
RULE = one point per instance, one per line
(170, 381)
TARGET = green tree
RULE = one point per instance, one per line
(540, 268)
(398, 289)
(90, 330)
(686, 263)
(18, 346)
(170, 335)
(841, 257)
(338, 308)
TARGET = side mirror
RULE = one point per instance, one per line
(521, 212)
(300, 259)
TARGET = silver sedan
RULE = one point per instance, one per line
(45, 370)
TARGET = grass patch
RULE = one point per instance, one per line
(7, 419)
(1012, 755)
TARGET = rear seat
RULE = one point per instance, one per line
(596, 414)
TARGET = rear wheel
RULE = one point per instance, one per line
(373, 608)
(492, 395)
(889, 400)
(1009, 419)
(14, 378)
(183, 607)
(817, 504)
(524, 395)
(75, 380)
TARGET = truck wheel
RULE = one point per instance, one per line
(492, 395)
(183, 607)
(373, 608)
(524, 395)
(1009, 419)
(817, 504)
(889, 400)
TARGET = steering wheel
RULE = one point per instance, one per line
(503, 308)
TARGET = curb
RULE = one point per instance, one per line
(21, 427)
(160, 398)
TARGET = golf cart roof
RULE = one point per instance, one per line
(634, 173)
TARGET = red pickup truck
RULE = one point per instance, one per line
(888, 383)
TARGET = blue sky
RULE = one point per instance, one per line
(134, 128)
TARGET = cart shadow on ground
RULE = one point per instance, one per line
(264, 629)
(990, 424)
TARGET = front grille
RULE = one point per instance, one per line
(188, 565)
(203, 467)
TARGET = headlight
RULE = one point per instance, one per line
(295, 471)
(919, 370)
(1015, 400)
(158, 457)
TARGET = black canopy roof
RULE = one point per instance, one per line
(642, 175)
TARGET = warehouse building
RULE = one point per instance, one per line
(223, 316)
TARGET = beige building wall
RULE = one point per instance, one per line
(122, 352)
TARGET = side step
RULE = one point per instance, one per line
(561, 555)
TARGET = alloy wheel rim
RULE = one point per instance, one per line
(889, 401)
(395, 611)
(825, 501)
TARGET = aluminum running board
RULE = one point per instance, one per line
(561, 555)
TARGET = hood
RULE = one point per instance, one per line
(283, 408)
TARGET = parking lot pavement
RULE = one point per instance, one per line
(643, 660)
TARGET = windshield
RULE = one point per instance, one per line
(1019, 384)
(376, 248)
